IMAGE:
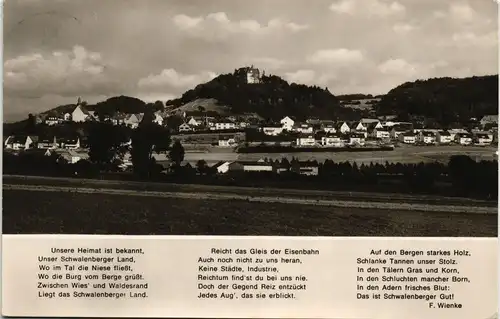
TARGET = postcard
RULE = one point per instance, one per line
(250, 159)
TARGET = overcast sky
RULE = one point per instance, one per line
(57, 50)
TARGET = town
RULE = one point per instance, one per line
(199, 129)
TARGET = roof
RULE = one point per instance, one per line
(463, 134)
(408, 133)
(427, 133)
(305, 135)
(369, 121)
(444, 133)
(490, 118)
(83, 109)
(220, 163)
(253, 163)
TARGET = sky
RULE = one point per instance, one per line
(58, 50)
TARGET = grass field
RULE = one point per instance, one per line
(38, 212)
(403, 154)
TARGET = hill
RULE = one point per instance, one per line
(202, 105)
(272, 98)
(446, 99)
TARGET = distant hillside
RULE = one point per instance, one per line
(272, 98)
(445, 99)
(202, 105)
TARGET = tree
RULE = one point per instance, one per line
(202, 167)
(176, 153)
(146, 139)
(30, 125)
(106, 143)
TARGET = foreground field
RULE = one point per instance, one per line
(38, 212)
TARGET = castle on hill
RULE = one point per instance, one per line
(253, 75)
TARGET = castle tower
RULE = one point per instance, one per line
(253, 75)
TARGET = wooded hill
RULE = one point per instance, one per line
(447, 100)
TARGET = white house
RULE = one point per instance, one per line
(45, 143)
(69, 143)
(287, 123)
(272, 130)
(360, 127)
(225, 125)
(463, 138)
(80, 114)
(134, 120)
(426, 137)
(454, 132)
(222, 167)
(184, 127)
(303, 128)
(158, 118)
(489, 119)
(375, 123)
(380, 133)
(331, 140)
(67, 117)
(306, 140)
(53, 120)
(195, 121)
(343, 128)
(251, 166)
(21, 142)
(407, 137)
(399, 129)
(483, 138)
(357, 139)
(225, 141)
(443, 137)
(70, 156)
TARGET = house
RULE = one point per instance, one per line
(443, 137)
(306, 140)
(221, 167)
(407, 137)
(223, 126)
(226, 141)
(21, 142)
(379, 133)
(463, 138)
(47, 142)
(69, 156)
(272, 130)
(196, 121)
(375, 123)
(251, 166)
(342, 127)
(357, 139)
(426, 137)
(399, 129)
(184, 127)
(489, 119)
(328, 126)
(53, 120)
(483, 138)
(287, 123)
(67, 117)
(158, 118)
(331, 140)
(307, 168)
(81, 114)
(69, 142)
(133, 120)
(454, 132)
(303, 128)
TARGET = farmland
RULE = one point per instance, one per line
(403, 154)
(109, 210)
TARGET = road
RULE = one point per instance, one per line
(263, 195)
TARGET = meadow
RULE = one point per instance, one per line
(40, 212)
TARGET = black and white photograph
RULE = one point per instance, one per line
(256, 118)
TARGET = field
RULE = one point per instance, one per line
(403, 154)
(108, 210)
